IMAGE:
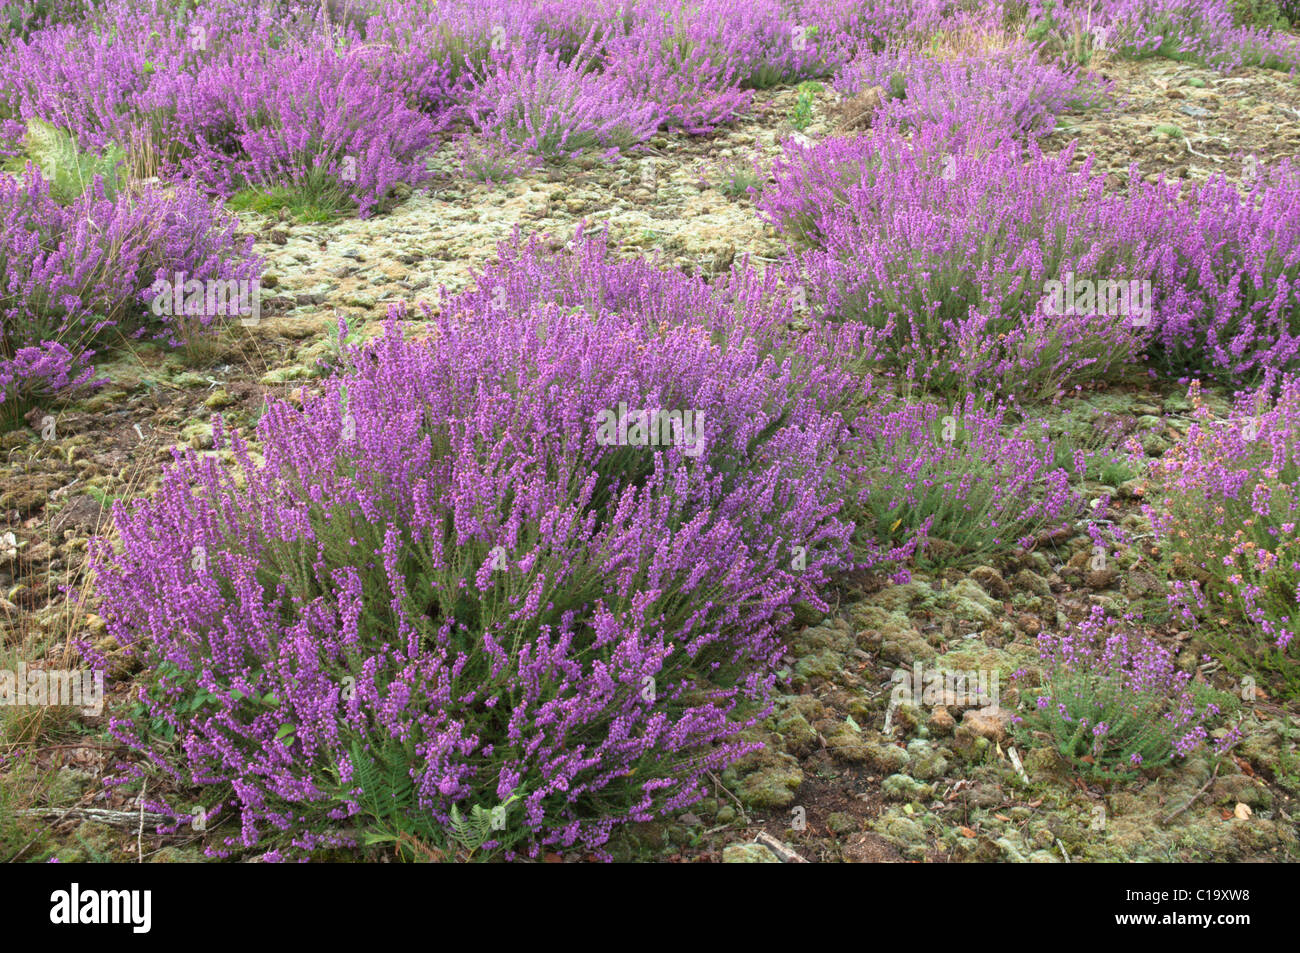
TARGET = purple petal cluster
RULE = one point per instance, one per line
(1008, 90)
(946, 243)
(440, 552)
(1231, 510)
(67, 273)
(1115, 702)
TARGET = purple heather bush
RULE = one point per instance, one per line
(1205, 30)
(69, 273)
(764, 42)
(1009, 91)
(442, 570)
(1240, 267)
(227, 97)
(76, 79)
(433, 50)
(549, 109)
(31, 372)
(671, 65)
(849, 28)
(1229, 512)
(961, 476)
(699, 63)
(315, 121)
(955, 248)
(986, 484)
(945, 252)
(1115, 703)
(121, 74)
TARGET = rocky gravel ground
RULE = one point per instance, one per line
(841, 776)
(1184, 122)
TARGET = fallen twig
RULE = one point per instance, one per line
(139, 834)
(785, 854)
(1015, 763)
(1204, 787)
(723, 787)
(1188, 143)
(97, 814)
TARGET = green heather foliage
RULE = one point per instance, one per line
(1115, 704)
(1230, 517)
(961, 476)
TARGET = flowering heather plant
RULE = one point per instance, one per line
(566, 28)
(76, 79)
(450, 568)
(1210, 31)
(947, 243)
(1230, 511)
(33, 371)
(433, 50)
(1114, 704)
(1239, 267)
(962, 476)
(124, 73)
(811, 180)
(856, 28)
(1204, 30)
(69, 273)
(230, 97)
(316, 121)
(766, 42)
(671, 65)
(551, 110)
(946, 256)
(1009, 91)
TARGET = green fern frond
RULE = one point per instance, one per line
(69, 170)
(474, 831)
(390, 810)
